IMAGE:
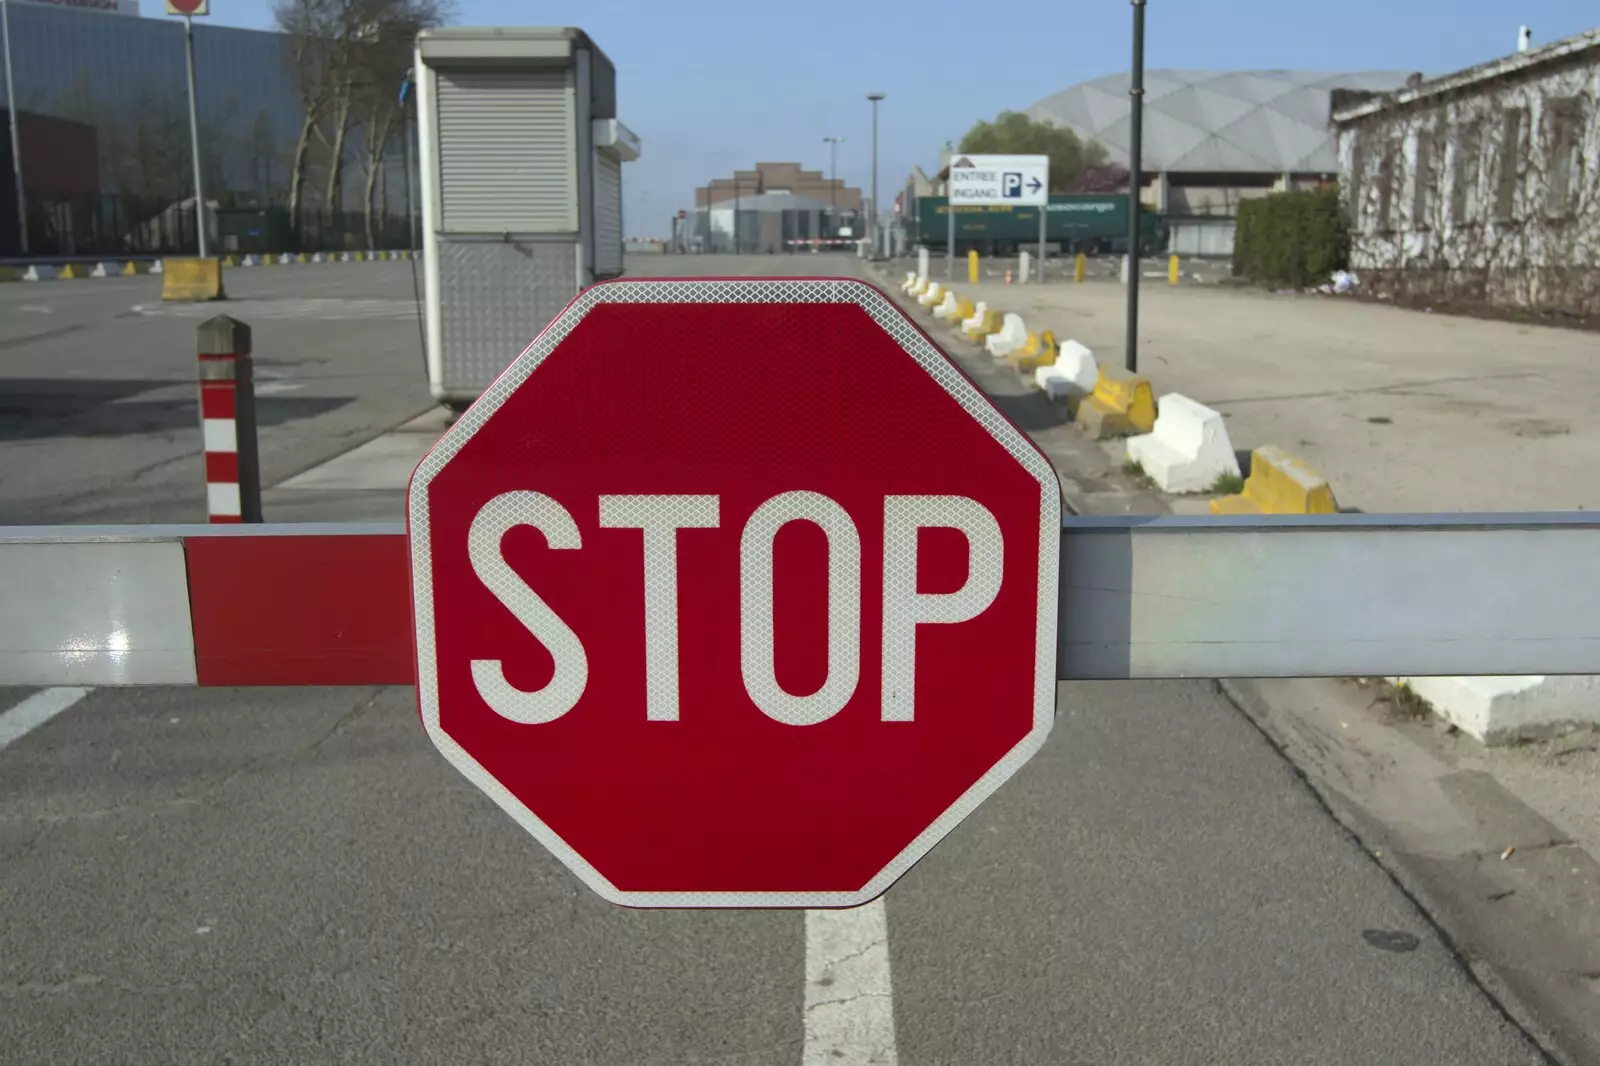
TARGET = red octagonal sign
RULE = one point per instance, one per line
(735, 593)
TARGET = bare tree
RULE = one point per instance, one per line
(380, 61)
(348, 57)
(311, 29)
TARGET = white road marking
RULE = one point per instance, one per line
(849, 1017)
(36, 710)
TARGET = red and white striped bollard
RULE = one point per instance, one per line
(228, 421)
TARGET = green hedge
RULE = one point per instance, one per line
(1295, 239)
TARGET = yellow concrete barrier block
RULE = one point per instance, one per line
(192, 279)
(70, 271)
(1122, 404)
(129, 269)
(991, 323)
(1279, 484)
(230, 260)
(965, 309)
(302, 258)
(1039, 351)
(8, 273)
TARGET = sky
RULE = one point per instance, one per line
(711, 85)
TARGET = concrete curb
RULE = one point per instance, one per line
(123, 268)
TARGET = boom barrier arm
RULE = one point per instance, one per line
(1141, 597)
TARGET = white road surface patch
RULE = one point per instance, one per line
(36, 710)
(849, 1019)
(293, 308)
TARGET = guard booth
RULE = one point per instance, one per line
(521, 157)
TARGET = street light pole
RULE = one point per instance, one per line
(833, 182)
(1135, 184)
(194, 137)
(872, 219)
(16, 139)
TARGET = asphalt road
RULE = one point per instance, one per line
(98, 410)
(297, 876)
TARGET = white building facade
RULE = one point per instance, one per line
(1480, 187)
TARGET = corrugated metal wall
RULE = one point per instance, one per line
(506, 152)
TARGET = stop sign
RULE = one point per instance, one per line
(735, 593)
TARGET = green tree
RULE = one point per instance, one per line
(1013, 133)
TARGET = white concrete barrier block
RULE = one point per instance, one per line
(921, 286)
(158, 267)
(1013, 335)
(319, 258)
(35, 272)
(285, 258)
(1188, 449)
(931, 295)
(909, 280)
(1498, 710)
(976, 320)
(105, 270)
(1073, 373)
(947, 307)
(248, 261)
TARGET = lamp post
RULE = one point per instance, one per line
(872, 217)
(16, 139)
(833, 182)
(1135, 183)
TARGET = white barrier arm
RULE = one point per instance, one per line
(1152, 597)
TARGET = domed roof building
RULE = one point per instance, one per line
(1212, 138)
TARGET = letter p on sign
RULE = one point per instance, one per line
(735, 632)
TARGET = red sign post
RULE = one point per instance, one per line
(735, 593)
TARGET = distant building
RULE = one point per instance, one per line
(765, 208)
(97, 66)
(1483, 185)
(1214, 138)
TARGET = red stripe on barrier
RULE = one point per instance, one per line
(222, 466)
(301, 610)
(225, 519)
(216, 399)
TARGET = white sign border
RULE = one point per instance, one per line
(742, 290)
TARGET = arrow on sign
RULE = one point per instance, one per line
(1034, 187)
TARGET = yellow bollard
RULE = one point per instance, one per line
(972, 267)
(1078, 269)
(1172, 270)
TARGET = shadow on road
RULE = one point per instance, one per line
(44, 408)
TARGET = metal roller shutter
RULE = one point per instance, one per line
(507, 152)
(607, 214)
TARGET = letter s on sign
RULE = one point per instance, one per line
(494, 520)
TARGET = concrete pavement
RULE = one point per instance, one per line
(295, 875)
(98, 416)
(1400, 410)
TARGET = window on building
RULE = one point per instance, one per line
(1512, 124)
(1358, 163)
(1425, 192)
(1466, 174)
(1564, 131)
(1390, 177)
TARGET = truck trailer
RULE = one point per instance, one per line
(1073, 223)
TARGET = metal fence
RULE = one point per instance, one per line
(118, 226)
